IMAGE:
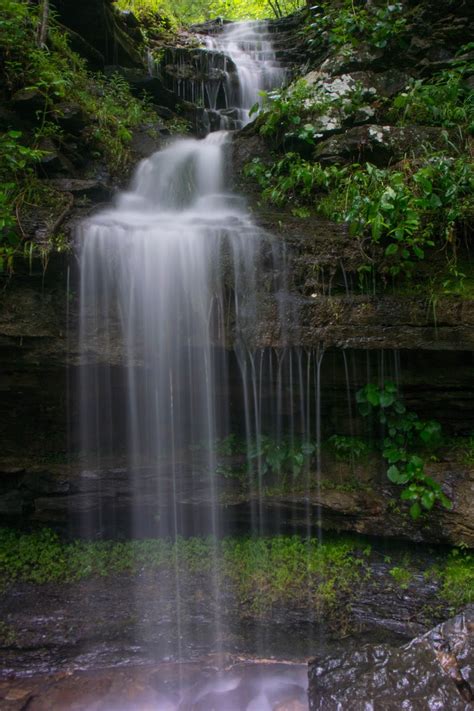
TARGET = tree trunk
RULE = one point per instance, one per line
(42, 31)
(274, 4)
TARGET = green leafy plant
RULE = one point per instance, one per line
(16, 161)
(281, 456)
(404, 431)
(260, 572)
(403, 212)
(292, 179)
(348, 448)
(401, 576)
(457, 576)
(296, 114)
(49, 75)
(348, 24)
(407, 211)
(444, 100)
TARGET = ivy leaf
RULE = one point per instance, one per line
(386, 399)
(393, 455)
(365, 409)
(444, 501)
(254, 109)
(393, 474)
(428, 499)
(408, 494)
(415, 511)
(373, 394)
(431, 432)
(391, 250)
(299, 459)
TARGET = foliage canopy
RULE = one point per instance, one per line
(194, 11)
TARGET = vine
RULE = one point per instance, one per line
(405, 433)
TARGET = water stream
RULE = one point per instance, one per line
(170, 292)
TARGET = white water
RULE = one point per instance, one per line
(152, 272)
(249, 46)
(169, 278)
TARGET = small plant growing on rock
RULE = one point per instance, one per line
(347, 449)
(404, 431)
(281, 456)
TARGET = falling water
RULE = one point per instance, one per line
(170, 296)
(249, 46)
(227, 75)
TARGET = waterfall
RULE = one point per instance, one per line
(249, 46)
(152, 285)
(170, 296)
(226, 76)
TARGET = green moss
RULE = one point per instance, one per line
(401, 576)
(457, 577)
(263, 573)
(462, 448)
(274, 571)
(7, 635)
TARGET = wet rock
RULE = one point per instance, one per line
(245, 146)
(197, 688)
(351, 58)
(70, 117)
(379, 144)
(435, 671)
(63, 494)
(53, 161)
(95, 190)
(148, 139)
(130, 18)
(11, 504)
(163, 112)
(27, 101)
(155, 88)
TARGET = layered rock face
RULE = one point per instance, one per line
(432, 341)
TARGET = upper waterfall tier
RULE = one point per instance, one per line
(228, 74)
(250, 48)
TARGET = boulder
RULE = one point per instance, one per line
(27, 102)
(70, 116)
(432, 672)
(95, 190)
(379, 144)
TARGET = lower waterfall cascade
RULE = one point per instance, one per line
(168, 273)
(182, 397)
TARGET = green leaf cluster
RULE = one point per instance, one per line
(347, 449)
(281, 456)
(405, 211)
(408, 211)
(16, 161)
(260, 572)
(53, 75)
(404, 432)
(348, 24)
(291, 113)
(186, 12)
(457, 576)
(445, 100)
